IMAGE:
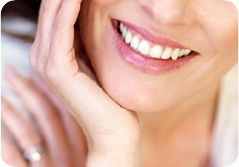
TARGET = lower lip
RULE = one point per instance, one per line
(146, 64)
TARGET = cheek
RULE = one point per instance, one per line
(140, 97)
(131, 95)
(138, 93)
(223, 35)
(225, 50)
(229, 34)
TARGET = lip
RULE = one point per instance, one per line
(152, 38)
(146, 64)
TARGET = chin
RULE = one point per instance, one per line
(138, 107)
(138, 100)
(140, 70)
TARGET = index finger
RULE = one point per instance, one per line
(62, 49)
(47, 14)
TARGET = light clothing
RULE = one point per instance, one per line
(225, 140)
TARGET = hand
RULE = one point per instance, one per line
(112, 132)
(56, 130)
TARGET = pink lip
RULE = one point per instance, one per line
(145, 64)
(154, 39)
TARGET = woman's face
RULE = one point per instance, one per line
(145, 71)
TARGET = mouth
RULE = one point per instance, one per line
(149, 53)
(149, 49)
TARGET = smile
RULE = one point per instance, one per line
(149, 53)
(148, 49)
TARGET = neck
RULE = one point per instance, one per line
(199, 109)
(181, 131)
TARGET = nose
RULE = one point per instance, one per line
(167, 12)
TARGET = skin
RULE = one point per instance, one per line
(175, 118)
(131, 108)
(193, 24)
(57, 131)
(178, 111)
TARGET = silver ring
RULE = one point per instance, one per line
(33, 154)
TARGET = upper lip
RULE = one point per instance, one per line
(161, 40)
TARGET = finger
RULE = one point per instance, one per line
(73, 130)
(48, 12)
(44, 162)
(77, 139)
(94, 109)
(64, 25)
(62, 51)
(75, 85)
(10, 154)
(84, 97)
(34, 51)
(46, 117)
(24, 134)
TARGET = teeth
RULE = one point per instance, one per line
(156, 51)
(144, 47)
(121, 27)
(148, 49)
(175, 54)
(167, 53)
(124, 32)
(128, 37)
(181, 52)
(187, 52)
(135, 42)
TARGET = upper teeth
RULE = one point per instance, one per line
(148, 49)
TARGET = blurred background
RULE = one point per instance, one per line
(18, 28)
(19, 18)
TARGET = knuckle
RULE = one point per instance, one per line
(47, 6)
(61, 21)
(59, 24)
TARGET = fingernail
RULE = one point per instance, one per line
(12, 74)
